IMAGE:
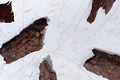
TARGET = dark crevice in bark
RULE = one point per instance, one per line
(6, 14)
(28, 41)
(106, 4)
(104, 64)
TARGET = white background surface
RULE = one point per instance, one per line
(69, 37)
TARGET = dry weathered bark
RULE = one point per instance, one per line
(104, 64)
(106, 4)
(29, 40)
(46, 72)
(6, 14)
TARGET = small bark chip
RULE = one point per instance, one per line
(6, 14)
(46, 73)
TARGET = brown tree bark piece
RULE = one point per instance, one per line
(6, 14)
(46, 72)
(106, 4)
(104, 64)
(29, 40)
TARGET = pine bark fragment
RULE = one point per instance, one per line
(105, 4)
(104, 64)
(6, 14)
(46, 72)
(29, 40)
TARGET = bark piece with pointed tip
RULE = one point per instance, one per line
(105, 64)
(46, 72)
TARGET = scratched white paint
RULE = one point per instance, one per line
(68, 40)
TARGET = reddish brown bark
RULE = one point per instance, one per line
(106, 4)
(29, 40)
(104, 64)
(46, 73)
(6, 14)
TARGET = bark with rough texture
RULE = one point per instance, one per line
(6, 14)
(106, 4)
(104, 64)
(46, 72)
(28, 41)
